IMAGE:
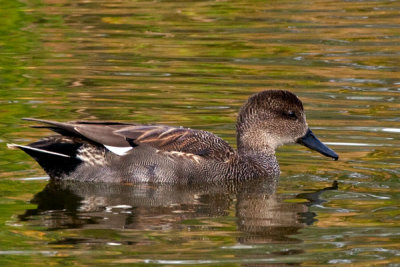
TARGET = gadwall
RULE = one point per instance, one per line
(124, 152)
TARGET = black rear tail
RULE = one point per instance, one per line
(56, 155)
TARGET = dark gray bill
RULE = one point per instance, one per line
(311, 141)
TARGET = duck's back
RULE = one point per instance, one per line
(118, 152)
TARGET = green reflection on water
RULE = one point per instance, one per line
(193, 64)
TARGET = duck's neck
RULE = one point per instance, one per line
(249, 149)
(258, 155)
(255, 141)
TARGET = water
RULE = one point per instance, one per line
(193, 64)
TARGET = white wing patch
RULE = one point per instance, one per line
(120, 151)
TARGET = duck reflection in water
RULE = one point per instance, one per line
(262, 215)
(203, 175)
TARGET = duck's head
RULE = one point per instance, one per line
(272, 118)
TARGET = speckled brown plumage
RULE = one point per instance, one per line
(123, 152)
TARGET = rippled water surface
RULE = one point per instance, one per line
(193, 63)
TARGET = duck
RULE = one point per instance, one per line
(119, 152)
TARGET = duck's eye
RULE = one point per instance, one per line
(291, 114)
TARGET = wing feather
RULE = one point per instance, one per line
(161, 137)
(197, 142)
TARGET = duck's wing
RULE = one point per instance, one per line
(167, 138)
(122, 137)
(98, 132)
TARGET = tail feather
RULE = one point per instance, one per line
(56, 155)
(27, 148)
